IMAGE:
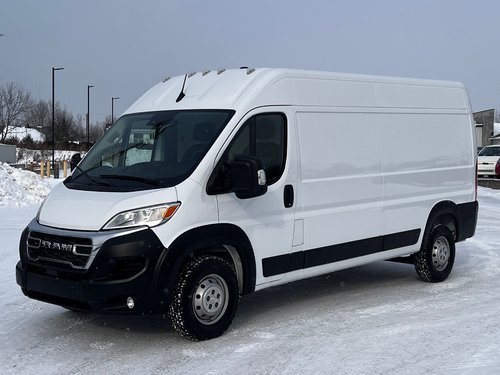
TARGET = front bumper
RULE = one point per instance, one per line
(123, 264)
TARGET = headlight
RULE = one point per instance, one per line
(150, 216)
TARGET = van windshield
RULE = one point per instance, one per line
(149, 150)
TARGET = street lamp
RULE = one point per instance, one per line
(88, 114)
(53, 127)
(112, 107)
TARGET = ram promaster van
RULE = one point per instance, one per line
(217, 184)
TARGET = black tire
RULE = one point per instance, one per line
(205, 299)
(435, 259)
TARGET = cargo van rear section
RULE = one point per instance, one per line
(217, 184)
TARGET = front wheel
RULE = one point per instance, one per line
(434, 261)
(205, 298)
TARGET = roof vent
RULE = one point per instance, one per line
(165, 79)
(205, 72)
(220, 71)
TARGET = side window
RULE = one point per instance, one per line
(262, 136)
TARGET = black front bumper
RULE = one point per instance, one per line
(124, 266)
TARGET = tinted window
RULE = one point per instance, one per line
(490, 151)
(264, 137)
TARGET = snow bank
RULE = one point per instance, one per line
(19, 188)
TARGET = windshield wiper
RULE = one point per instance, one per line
(148, 181)
(86, 174)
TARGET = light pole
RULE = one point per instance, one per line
(53, 127)
(88, 114)
(113, 107)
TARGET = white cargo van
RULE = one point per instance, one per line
(217, 184)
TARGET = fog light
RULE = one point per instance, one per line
(130, 303)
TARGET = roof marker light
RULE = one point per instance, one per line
(220, 71)
(191, 74)
(250, 70)
(205, 72)
(165, 79)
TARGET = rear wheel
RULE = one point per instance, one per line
(434, 261)
(205, 298)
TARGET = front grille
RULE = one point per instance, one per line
(59, 249)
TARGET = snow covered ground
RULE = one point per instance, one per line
(375, 319)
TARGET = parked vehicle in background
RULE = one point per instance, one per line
(497, 169)
(487, 160)
(217, 184)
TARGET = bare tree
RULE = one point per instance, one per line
(97, 129)
(81, 127)
(39, 115)
(47, 123)
(65, 126)
(15, 102)
(68, 128)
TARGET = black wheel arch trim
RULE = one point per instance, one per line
(463, 214)
(206, 237)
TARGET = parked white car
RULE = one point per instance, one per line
(487, 159)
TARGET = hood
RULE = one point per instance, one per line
(90, 210)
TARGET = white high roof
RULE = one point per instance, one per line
(244, 88)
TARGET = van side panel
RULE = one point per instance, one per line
(341, 187)
(369, 178)
(426, 159)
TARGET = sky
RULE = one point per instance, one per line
(123, 47)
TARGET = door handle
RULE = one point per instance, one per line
(288, 196)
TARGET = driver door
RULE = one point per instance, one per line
(268, 220)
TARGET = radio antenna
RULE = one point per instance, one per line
(182, 95)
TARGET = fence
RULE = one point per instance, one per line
(46, 169)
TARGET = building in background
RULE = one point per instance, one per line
(487, 131)
(7, 153)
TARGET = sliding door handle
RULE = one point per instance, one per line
(288, 196)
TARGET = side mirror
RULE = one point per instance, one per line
(248, 177)
(244, 176)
